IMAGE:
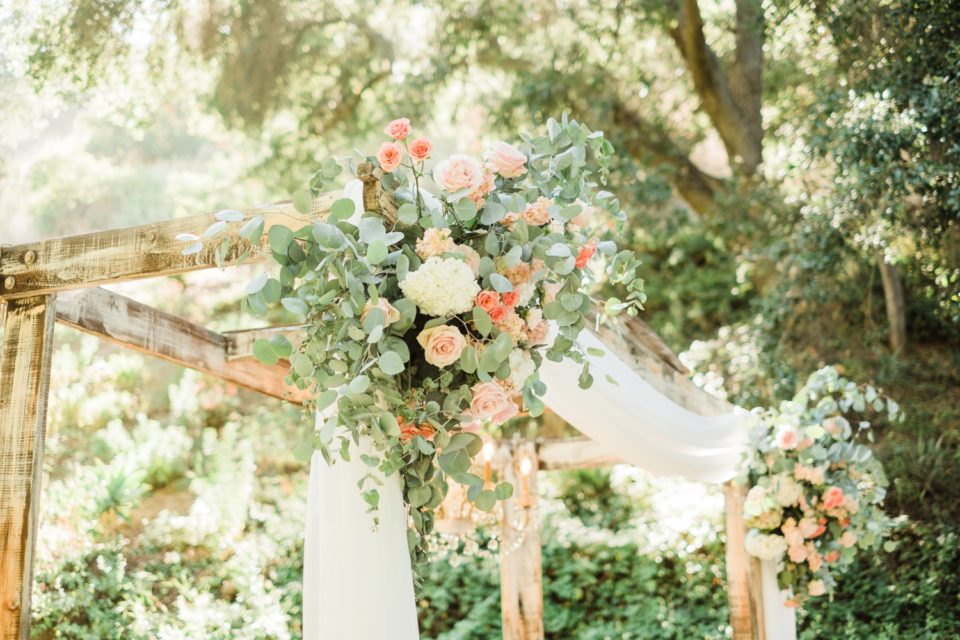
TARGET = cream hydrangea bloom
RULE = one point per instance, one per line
(442, 287)
(765, 547)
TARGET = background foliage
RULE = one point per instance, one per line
(761, 271)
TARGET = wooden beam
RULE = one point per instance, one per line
(143, 251)
(743, 572)
(575, 453)
(240, 342)
(521, 564)
(24, 388)
(639, 346)
(140, 327)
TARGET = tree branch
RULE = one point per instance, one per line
(739, 135)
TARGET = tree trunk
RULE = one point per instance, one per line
(896, 309)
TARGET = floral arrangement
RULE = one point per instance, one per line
(421, 331)
(816, 492)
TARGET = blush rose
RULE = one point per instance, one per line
(442, 345)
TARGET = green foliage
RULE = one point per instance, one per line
(911, 592)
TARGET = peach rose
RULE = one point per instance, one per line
(420, 149)
(491, 403)
(797, 554)
(586, 252)
(390, 312)
(442, 345)
(399, 129)
(389, 156)
(833, 498)
(848, 539)
(458, 172)
(536, 213)
(583, 218)
(550, 291)
(434, 243)
(509, 161)
(488, 300)
(816, 588)
(498, 313)
(833, 556)
(813, 558)
(512, 324)
(510, 298)
(487, 185)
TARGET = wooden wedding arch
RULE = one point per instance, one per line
(60, 280)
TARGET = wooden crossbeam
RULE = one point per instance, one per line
(140, 327)
(144, 251)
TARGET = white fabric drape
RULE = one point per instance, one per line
(639, 423)
(357, 582)
(779, 621)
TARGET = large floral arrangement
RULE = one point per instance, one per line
(420, 331)
(815, 490)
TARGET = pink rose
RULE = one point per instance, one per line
(442, 345)
(509, 161)
(833, 498)
(488, 300)
(458, 172)
(399, 129)
(491, 403)
(389, 156)
(420, 149)
(788, 437)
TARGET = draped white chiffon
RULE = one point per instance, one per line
(357, 581)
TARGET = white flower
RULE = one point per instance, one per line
(788, 490)
(765, 547)
(521, 368)
(442, 287)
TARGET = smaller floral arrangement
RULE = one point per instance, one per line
(816, 492)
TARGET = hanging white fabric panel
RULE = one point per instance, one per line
(639, 423)
(357, 582)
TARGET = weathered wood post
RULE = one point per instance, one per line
(24, 385)
(521, 571)
(743, 572)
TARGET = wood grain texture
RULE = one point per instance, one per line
(637, 344)
(575, 453)
(743, 573)
(240, 342)
(140, 327)
(521, 566)
(24, 385)
(143, 251)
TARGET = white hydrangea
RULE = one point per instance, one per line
(522, 367)
(765, 547)
(788, 490)
(442, 287)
